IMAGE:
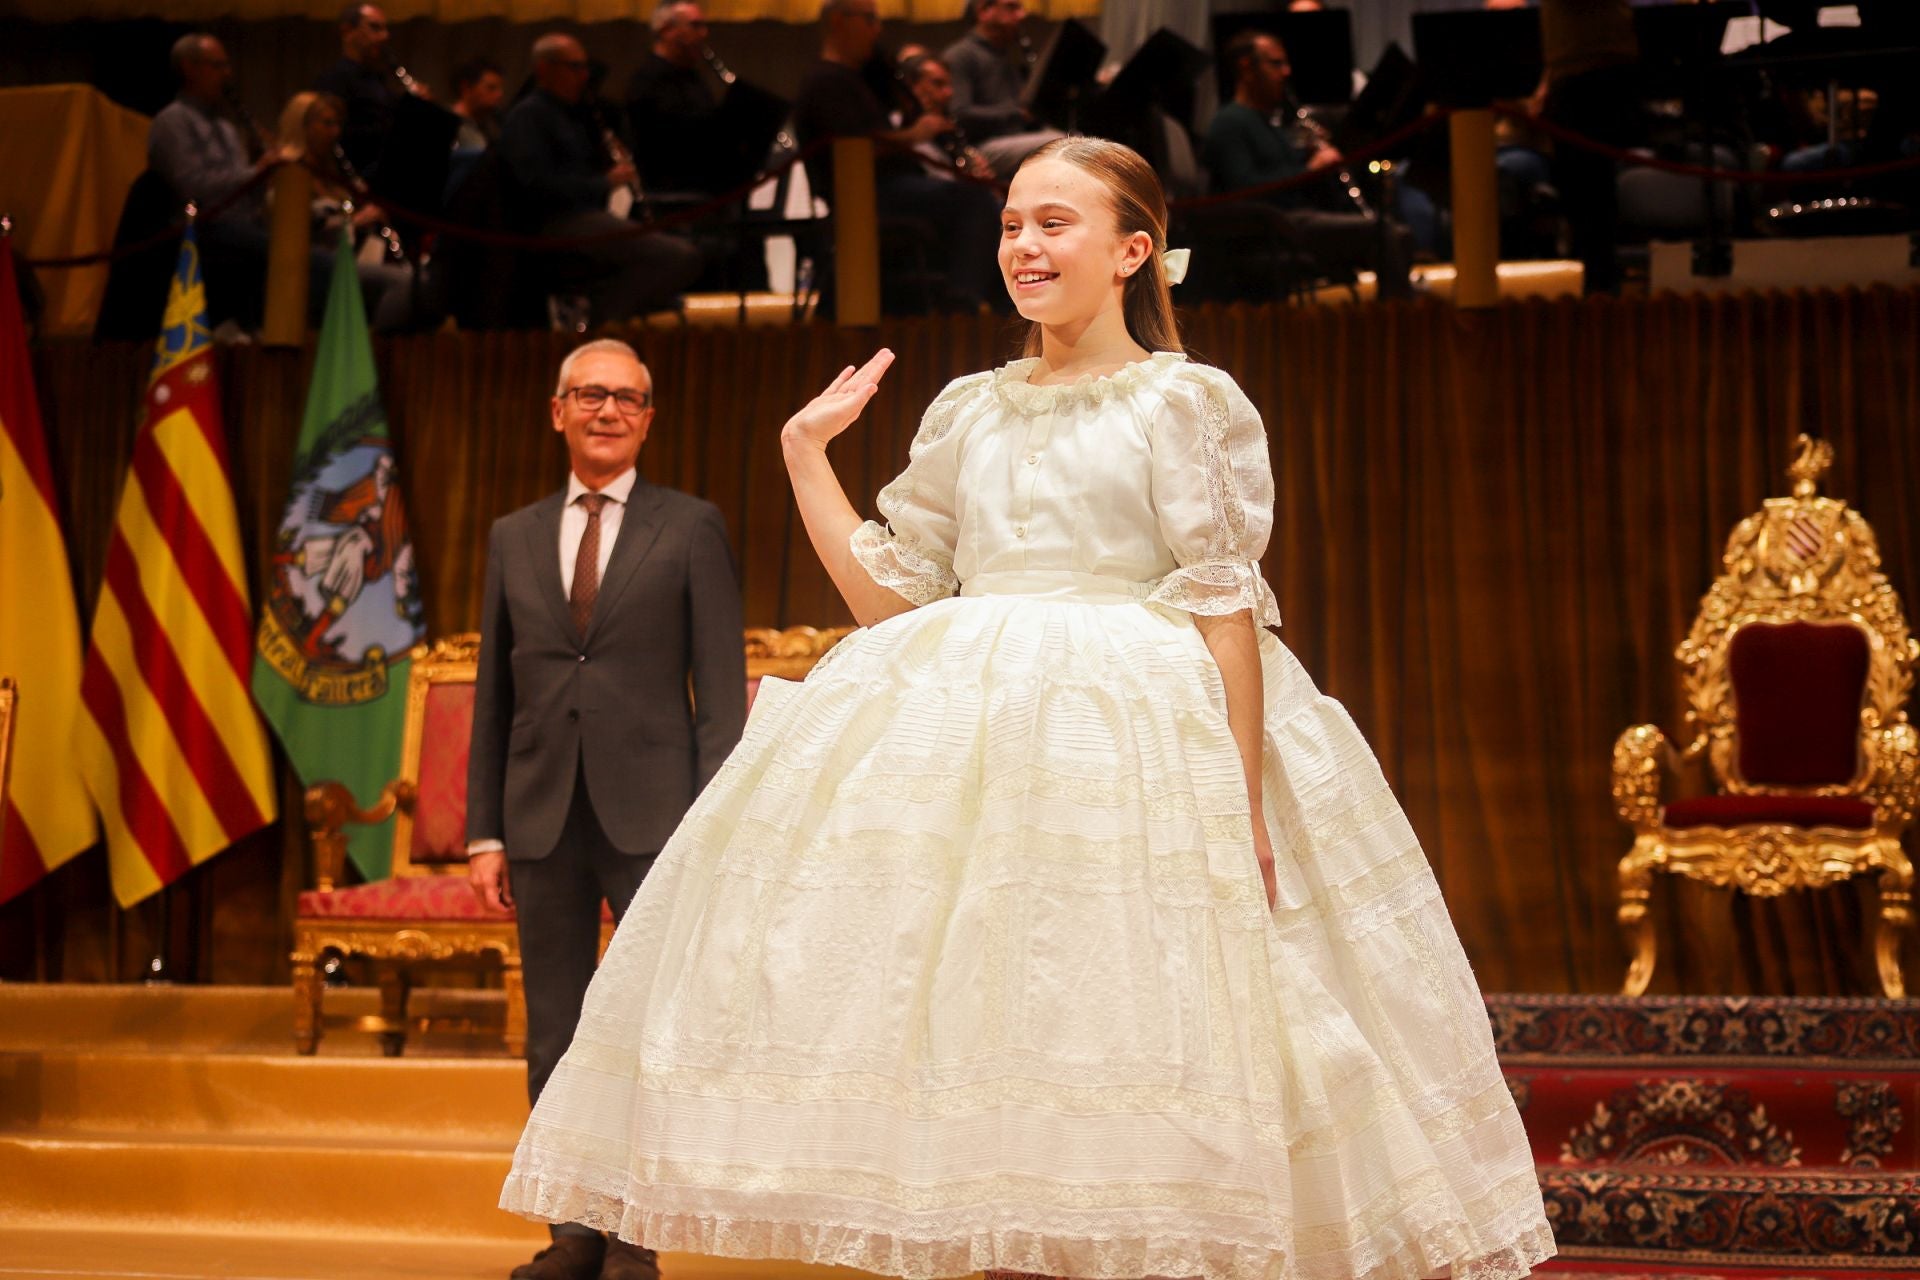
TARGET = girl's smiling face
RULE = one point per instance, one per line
(1061, 253)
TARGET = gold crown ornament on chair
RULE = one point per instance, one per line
(1796, 676)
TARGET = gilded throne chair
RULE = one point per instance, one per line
(1796, 675)
(426, 912)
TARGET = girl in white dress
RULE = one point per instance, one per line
(1056, 923)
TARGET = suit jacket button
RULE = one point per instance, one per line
(583, 657)
(573, 714)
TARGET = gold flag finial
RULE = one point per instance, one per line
(1812, 458)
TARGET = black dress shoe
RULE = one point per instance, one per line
(574, 1256)
(629, 1262)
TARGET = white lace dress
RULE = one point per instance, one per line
(963, 959)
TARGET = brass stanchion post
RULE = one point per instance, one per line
(1476, 210)
(856, 234)
(291, 232)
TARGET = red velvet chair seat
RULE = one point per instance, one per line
(1844, 812)
(422, 898)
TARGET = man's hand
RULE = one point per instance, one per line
(1325, 157)
(487, 873)
(928, 127)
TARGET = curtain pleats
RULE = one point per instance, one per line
(1492, 531)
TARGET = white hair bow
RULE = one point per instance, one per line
(1174, 263)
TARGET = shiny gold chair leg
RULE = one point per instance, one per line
(307, 990)
(510, 978)
(1636, 923)
(1896, 917)
(394, 987)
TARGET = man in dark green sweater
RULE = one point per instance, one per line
(1250, 143)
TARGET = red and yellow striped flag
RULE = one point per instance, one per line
(170, 741)
(48, 818)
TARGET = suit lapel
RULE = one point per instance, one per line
(639, 528)
(543, 545)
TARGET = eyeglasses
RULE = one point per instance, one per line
(592, 399)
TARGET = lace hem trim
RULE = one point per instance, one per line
(1421, 1251)
(918, 574)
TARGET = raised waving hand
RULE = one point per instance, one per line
(834, 410)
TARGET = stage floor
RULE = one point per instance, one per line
(139, 1255)
(169, 1133)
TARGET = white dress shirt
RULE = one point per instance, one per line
(573, 527)
(573, 523)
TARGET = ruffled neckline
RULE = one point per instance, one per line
(1010, 383)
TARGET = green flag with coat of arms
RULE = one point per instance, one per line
(342, 605)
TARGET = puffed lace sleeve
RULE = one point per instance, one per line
(1213, 493)
(912, 554)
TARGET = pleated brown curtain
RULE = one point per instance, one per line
(1492, 530)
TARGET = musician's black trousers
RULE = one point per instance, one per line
(625, 277)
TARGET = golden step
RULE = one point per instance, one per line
(225, 1019)
(288, 1186)
(110, 1254)
(391, 1100)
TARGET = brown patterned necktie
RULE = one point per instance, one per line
(586, 564)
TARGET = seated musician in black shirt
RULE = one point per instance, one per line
(672, 109)
(363, 79)
(1251, 143)
(835, 101)
(561, 177)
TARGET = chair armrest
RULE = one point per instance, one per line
(1893, 778)
(1638, 757)
(330, 808)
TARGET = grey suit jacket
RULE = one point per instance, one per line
(614, 702)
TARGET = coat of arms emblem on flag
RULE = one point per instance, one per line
(342, 595)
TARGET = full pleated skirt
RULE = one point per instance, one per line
(963, 961)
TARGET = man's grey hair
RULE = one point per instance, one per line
(550, 47)
(664, 16)
(188, 48)
(608, 346)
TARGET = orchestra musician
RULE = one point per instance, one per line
(366, 80)
(562, 176)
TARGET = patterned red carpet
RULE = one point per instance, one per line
(1709, 1137)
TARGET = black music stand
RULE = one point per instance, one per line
(1064, 75)
(1319, 47)
(749, 119)
(1392, 99)
(1680, 44)
(1161, 74)
(1473, 58)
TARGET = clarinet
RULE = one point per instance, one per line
(407, 82)
(351, 178)
(617, 154)
(719, 68)
(258, 141)
(1297, 114)
(953, 142)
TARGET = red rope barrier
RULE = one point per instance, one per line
(158, 238)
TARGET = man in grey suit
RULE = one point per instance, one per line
(605, 606)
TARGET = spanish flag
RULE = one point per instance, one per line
(170, 741)
(48, 817)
